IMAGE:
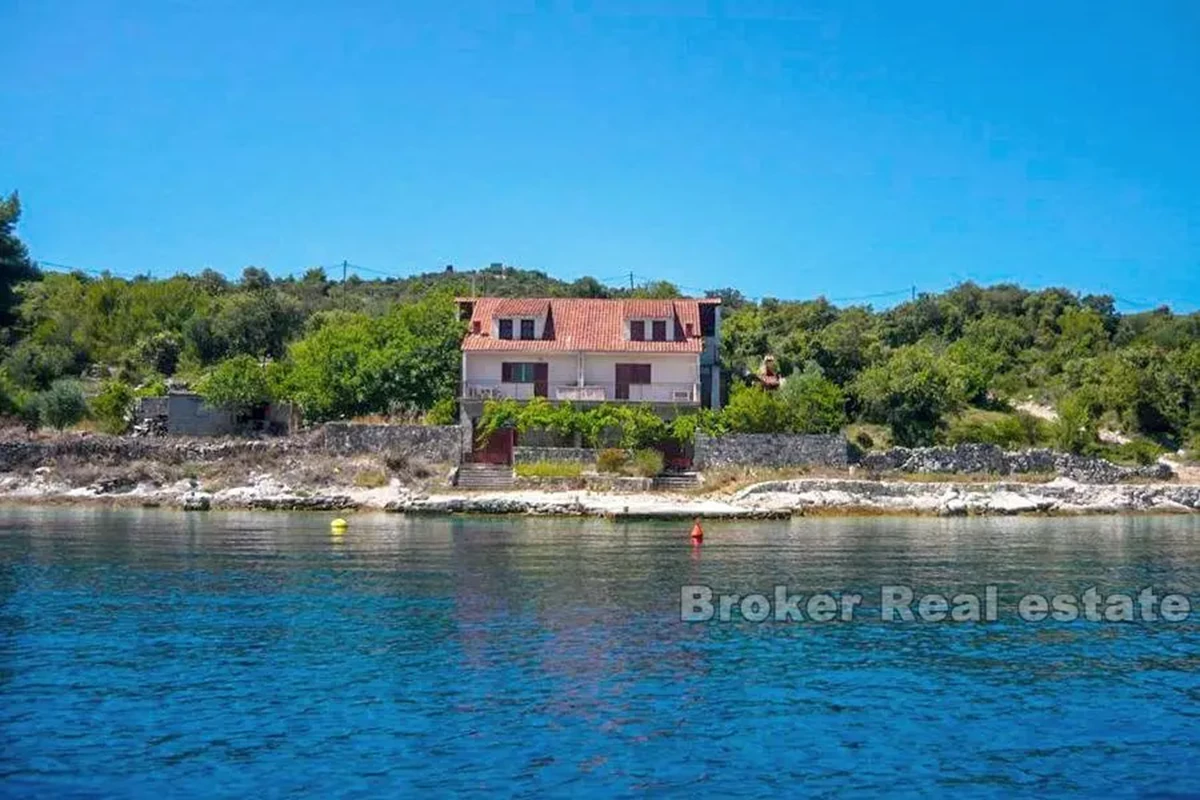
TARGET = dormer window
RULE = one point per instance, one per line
(658, 330)
(527, 329)
(637, 330)
(506, 329)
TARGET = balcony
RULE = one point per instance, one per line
(676, 393)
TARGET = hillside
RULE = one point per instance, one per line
(942, 367)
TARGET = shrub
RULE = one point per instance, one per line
(752, 409)
(1003, 430)
(550, 469)
(112, 405)
(611, 460)
(646, 463)
(1139, 451)
(370, 478)
(864, 440)
(444, 412)
(814, 403)
(1074, 431)
(237, 384)
(62, 405)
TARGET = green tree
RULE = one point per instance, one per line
(814, 403)
(1075, 430)
(112, 405)
(911, 392)
(62, 405)
(15, 264)
(752, 409)
(237, 384)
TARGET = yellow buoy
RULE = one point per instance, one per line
(338, 525)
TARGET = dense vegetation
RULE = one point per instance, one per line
(943, 367)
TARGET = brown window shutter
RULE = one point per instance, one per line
(637, 330)
(658, 330)
(506, 372)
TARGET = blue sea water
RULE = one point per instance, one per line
(157, 654)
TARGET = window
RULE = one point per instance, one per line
(522, 372)
(518, 372)
(637, 330)
(527, 329)
(658, 330)
(506, 329)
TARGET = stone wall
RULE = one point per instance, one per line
(772, 450)
(529, 455)
(437, 444)
(111, 450)
(990, 459)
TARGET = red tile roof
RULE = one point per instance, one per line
(516, 307)
(585, 324)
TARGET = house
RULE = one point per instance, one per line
(184, 413)
(661, 352)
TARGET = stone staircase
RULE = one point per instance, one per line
(484, 477)
(677, 481)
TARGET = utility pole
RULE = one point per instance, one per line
(631, 280)
(914, 291)
(344, 266)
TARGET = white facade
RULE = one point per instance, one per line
(674, 377)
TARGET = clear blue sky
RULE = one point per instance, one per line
(785, 148)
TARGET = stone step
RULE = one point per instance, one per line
(677, 480)
(485, 476)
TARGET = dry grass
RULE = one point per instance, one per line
(370, 478)
(550, 469)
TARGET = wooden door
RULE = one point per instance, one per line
(498, 449)
(541, 380)
(628, 374)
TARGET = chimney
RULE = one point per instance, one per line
(476, 326)
(690, 329)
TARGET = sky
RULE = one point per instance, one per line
(789, 149)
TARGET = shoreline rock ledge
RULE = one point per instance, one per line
(1060, 496)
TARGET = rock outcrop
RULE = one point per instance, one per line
(990, 459)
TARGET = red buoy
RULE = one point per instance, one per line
(697, 531)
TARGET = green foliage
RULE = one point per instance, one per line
(62, 405)
(1010, 431)
(911, 392)
(236, 384)
(814, 403)
(1075, 429)
(752, 409)
(112, 405)
(646, 463)
(497, 414)
(36, 366)
(15, 264)
(443, 412)
(683, 428)
(354, 364)
(160, 352)
(155, 387)
(550, 469)
(611, 459)
(1140, 452)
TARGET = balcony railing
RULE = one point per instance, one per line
(683, 393)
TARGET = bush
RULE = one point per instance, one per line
(550, 469)
(237, 384)
(814, 403)
(1141, 452)
(1074, 431)
(752, 409)
(611, 460)
(370, 478)
(1002, 430)
(444, 412)
(646, 463)
(62, 405)
(111, 407)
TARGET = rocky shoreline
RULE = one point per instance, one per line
(770, 499)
